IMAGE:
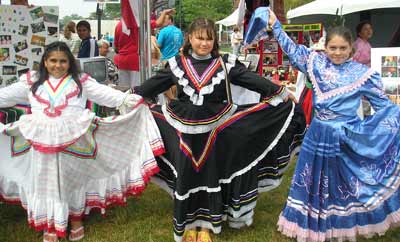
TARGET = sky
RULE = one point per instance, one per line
(66, 7)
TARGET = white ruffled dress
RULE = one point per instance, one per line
(61, 161)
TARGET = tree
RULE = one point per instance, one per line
(68, 18)
(192, 9)
(291, 4)
(112, 11)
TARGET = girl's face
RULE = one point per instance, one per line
(338, 50)
(366, 32)
(57, 64)
(83, 32)
(201, 43)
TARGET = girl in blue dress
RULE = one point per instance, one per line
(347, 176)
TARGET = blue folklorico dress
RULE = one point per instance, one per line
(347, 175)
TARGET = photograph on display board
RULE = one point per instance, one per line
(11, 80)
(52, 31)
(36, 13)
(392, 90)
(9, 70)
(36, 66)
(38, 27)
(38, 40)
(20, 45)
(270, 59)
(20, 60)
(22, 71)
(253, 59)
(50, 18)
(23, 30)
(4, 54)
(5, 40)
(389, 61)
(270, 46)
(37, 51)
(389, 72)
(268, 71)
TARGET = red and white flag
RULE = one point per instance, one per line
(130, 15)
(242, 11)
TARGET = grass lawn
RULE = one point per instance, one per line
(149, 219)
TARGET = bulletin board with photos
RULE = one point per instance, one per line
(24, 32)
(386, 61)
(275, 63)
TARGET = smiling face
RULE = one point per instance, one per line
(57, 64)
(338, 50)
(202, 44)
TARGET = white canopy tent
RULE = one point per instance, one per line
(230, 20)
(384, 16)
(344, 6)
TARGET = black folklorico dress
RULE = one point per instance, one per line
(220, 155)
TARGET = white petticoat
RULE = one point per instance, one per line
(112, 159)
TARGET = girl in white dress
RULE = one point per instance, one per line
(61, 161)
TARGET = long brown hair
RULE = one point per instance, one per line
(198, 25)
(44, 74)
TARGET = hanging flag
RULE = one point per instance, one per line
(242, 10)
(130, 15)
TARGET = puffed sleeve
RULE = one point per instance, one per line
(102, 94)
(298, 54)
(15, 93)
(157, 84)
(241, 76)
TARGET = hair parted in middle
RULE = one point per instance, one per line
(195, 27)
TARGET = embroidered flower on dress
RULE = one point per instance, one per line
(391, 124)
(325, 114)
(350, 190)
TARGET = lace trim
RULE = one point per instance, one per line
(197, 99)
(57, 110)
(337, 91)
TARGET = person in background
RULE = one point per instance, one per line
(170, 39)
(363, 53)
(236, 40)
(88, 46)
(71, 38)
(127, 52)
(104, 48)
(361, 46)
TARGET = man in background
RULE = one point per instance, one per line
(170, 39)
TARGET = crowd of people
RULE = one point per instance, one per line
(211, 154)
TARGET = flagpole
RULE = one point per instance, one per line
(144, 40)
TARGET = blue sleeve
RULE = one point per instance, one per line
(160, 38)
(298, 54)
(373, 91)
